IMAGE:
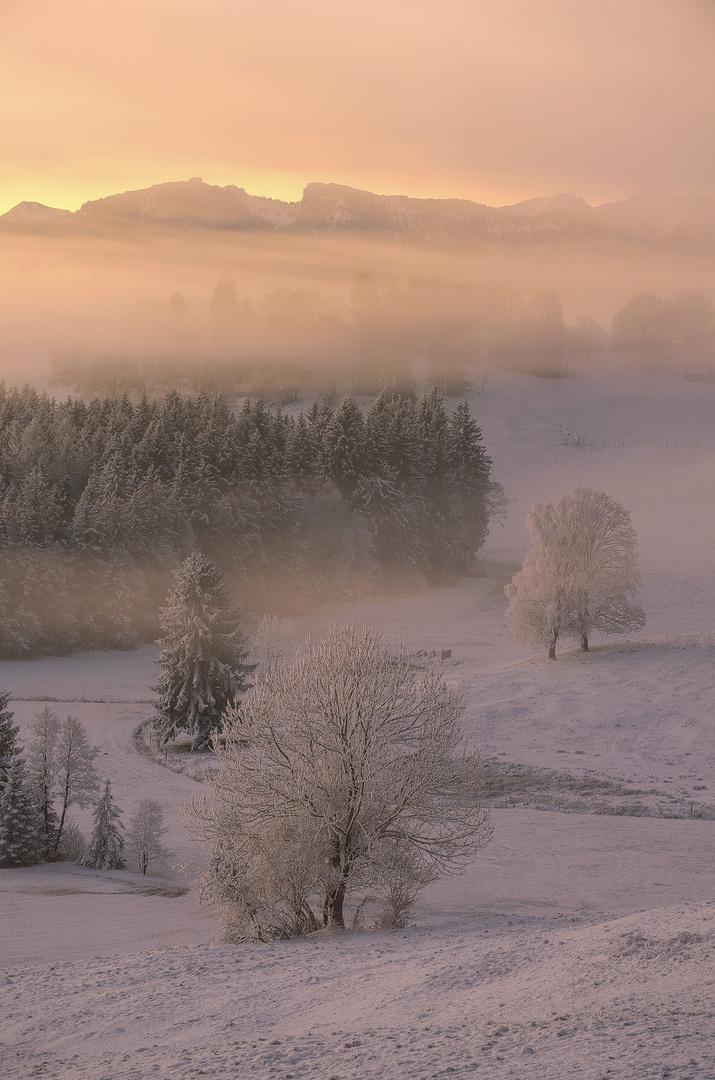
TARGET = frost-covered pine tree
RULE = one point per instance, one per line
(106, 848)
(144, 836)
(344, 446)
(581, 574)
(8, 738)
(203, 654)
(20, 843)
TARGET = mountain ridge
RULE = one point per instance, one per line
(648, 217)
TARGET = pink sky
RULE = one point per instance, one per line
(483, 100)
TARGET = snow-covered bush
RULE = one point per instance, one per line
(73, 843)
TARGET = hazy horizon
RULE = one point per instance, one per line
(452, 100)
(236, 183)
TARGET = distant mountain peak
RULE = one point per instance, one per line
(34, 213)
(549, 205)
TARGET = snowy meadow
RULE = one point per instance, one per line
(579, 942)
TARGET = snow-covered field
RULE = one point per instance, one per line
(579, 944)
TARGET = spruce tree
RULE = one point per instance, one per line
(8, 738)
(433, 479)
(344, 447)
(203, 654)
(20, 843)
(106, 848)
(470, 486)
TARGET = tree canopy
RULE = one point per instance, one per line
(581, 574)
(341, 772)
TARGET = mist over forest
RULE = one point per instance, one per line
(155, 289)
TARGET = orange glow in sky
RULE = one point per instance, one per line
(462, 98)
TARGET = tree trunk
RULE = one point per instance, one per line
(333, 907)
(584, 642)
(65, 806)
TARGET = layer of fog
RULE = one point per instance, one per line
(148, 294)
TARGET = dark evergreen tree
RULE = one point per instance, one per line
(433, 477)
(20, 843)
(344, 447)
(302, 454)
(32, 514)
(8, 738)
(106, 848)
(203, 654)
(469, 469)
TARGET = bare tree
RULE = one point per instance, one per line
(331, 766)
(270, 643)
(588, 334)
(42, 774)
(581, 574)
(77, 778)
(144, 835)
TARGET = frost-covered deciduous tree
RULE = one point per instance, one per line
(106, 847)
(42, 774)
(144, 835)
(581, 574)
(271, 643)
(333, 767)
(77, 779)
(203, 654)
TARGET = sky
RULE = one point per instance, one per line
(493, 102)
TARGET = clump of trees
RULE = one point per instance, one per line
(653, 329)
(100, 502)
(61, 773)
(37, 791)
(203, 654)
(341, 777)
(581, 574)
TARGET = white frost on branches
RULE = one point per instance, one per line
(341, 773)
(581, 574)
(144, 835)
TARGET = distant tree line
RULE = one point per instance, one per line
(386, 334)
(101, 501)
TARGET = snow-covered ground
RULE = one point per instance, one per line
(580, 943)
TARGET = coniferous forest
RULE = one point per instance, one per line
(101, 501)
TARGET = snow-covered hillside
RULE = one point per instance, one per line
(580, 943)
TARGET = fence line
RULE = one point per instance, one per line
(573, 439)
